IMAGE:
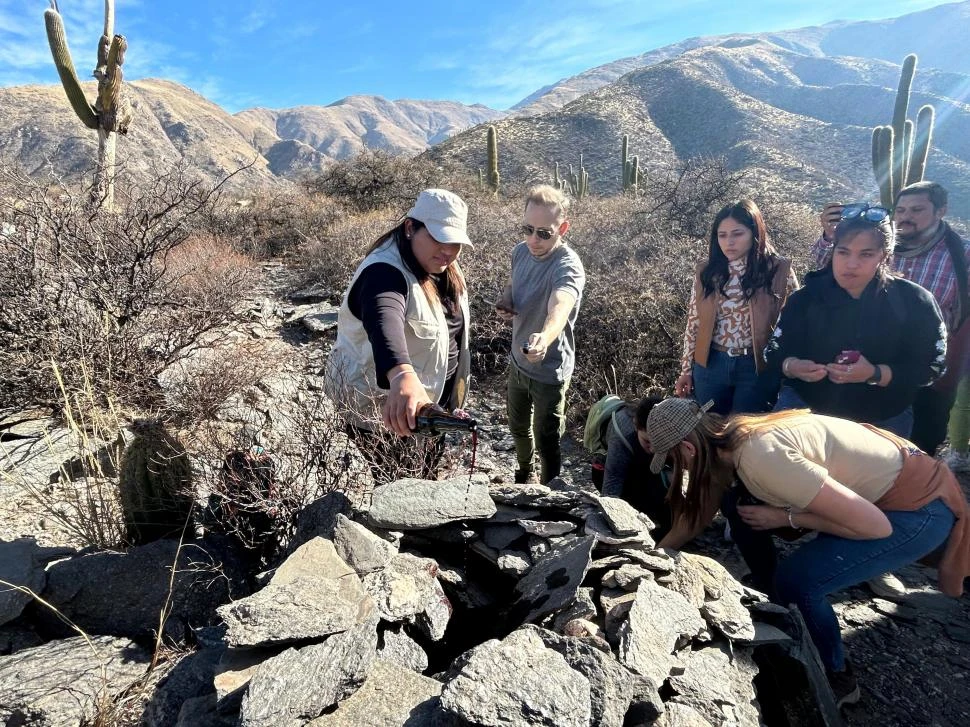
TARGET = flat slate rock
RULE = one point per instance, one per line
(598, 526)
(396, 647)
(613, 686)
(57, 684)
(298, 685)
(361, 549)
(518, 682)
(547, 528)
(658, 622)
(392, 696)
(535, 496)
(623, 517)
(553, 581)
(719, 686)
(22, 563)
(412, 504)
(407, 587)
(300, 609)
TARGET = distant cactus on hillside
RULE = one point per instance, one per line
(493, 175)
(155, 484)
(111, 111)
(900, 149)
(629, 167)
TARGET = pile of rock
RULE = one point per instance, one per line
(574, 618)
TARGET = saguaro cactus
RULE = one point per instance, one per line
(578, 181)
(493, 175)
(111, 112)
(630, 167)
(900, 149)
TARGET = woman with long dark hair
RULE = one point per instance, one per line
(855, 341)
(876, 501)
(737, 296)
(402, 329)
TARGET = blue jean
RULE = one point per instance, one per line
(901, 424)
(731, 381)
(830, 563)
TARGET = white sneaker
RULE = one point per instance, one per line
(887, 586)
(957, 461)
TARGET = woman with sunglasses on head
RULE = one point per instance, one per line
(402, 329)
(875, 500)
(856, 342)
(737, 295)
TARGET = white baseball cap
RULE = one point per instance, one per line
(444, 213)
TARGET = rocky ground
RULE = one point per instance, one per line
(912, 657)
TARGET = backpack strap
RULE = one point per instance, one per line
(620, 436)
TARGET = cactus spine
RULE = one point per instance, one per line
(111, 112)
(900, 149)
(155, 484)
(493, 175)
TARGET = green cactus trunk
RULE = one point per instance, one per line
(492, 146)
(625, 162)
(921, 144)
(112, 111)
(155, 484)
(900, 150)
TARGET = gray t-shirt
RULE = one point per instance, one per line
(533, 283)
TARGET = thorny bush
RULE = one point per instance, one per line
(107, 290)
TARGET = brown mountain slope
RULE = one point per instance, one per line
(40, 133)
(761, 106)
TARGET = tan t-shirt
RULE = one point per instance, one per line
(787, 464)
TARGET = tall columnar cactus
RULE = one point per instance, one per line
(111, 112)
(557, 181)
(578, 182)
(624, 162)
(493, 175)
(899, 149)
(155, 484)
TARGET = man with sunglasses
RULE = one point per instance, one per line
(929, 253)
(542, 301)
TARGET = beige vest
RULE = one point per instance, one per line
(350, 378)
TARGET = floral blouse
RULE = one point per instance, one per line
(732, 328)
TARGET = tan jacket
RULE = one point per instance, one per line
(351, 379)
(764, 309)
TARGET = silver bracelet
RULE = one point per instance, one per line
(791, 523)
(399, 374)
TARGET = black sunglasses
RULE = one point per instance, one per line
(865, 211)
(543, 233)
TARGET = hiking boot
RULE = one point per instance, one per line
(526, 477)
(845, 687)
(887, 586)
(957, 461)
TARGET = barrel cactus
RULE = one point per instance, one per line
(155, 484)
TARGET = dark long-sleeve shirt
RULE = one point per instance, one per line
(898, 325)
(378, 298)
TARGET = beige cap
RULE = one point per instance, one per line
(669, 423)
(444, 214)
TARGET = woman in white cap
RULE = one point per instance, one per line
(876, 501)
(402, 329)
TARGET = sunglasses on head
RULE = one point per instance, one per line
(865, 211)
(543, 233)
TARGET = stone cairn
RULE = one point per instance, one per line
(529, 605)
(460, 602)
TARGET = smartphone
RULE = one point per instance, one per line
(499, 305)
(847, 357)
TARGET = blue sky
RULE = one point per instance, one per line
(287, 53)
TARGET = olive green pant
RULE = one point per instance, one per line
(537, 420)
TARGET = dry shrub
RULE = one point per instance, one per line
(205, 266)
(82, 286)
(198, 386)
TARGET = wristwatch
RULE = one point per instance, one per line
(876, 376)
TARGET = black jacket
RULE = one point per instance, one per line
(898, 325)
